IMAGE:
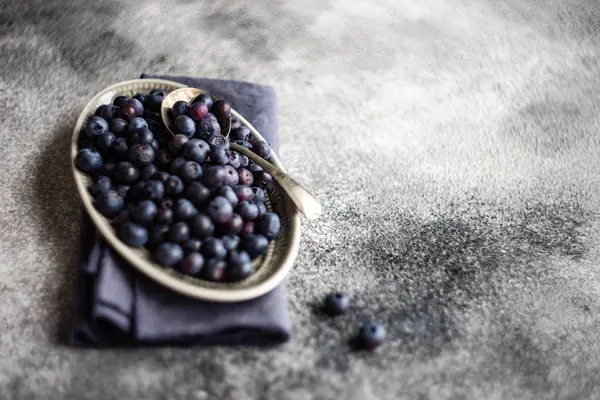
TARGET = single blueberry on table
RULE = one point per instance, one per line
(136, 124)
(141, 154)
(127, 112)
(185, 125)
(336, 304)
(96, 126)
(230, 242)
(196, 150)
(198, 111)
(213, 270)
(244, 193)
(109, 203)
(179, 232)
(370, 336)
(118, 126)
(221, 109)
(201, 226)
(191, 264)
(212, 248)
(197, 193)
(127, 173)
(168, 254)
(173, 185)
(106, 111)
(219, 210)
(145, 212)
(137, 106)
(120, 100)
(268, 225)
(133, 234)
(255, 245)
(101, 184)
(247, 211)
(184, 210)
(190, 171)
(203, 98)
(176, 144)
(88, 160)
(180, 107)
(105, 141)
(241, 133)
(192, 246)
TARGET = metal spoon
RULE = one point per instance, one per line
(304, 201)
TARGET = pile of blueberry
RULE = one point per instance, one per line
(194, 203)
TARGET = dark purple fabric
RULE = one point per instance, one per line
(118, 307)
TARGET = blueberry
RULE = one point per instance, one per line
(105, 141)
(241, 133)
(176, 164)
(145, 212)
(255, 245)
(262, 149)
(158, 235)
(221, 109)
(155, 145)
(201, 226)
(164, 216)
(268, 225)
(243, 143)
(121, 217)
(154, 101)
(161, 92)
(148, 171)
(137, 106)
(133, 234)
(101, 184)
(247, 229)
(235, 160)
(173, 185)
(213, 270)
(244, 161)
(88, 160)
(127, 173)
(141, 136)
(336, 304)
(183, 210)
(141, 154)
(244, 193)
(96, 126)
(212, 248)
(121, 148)
(253, 167)
(230, 242)
(168, 254)
(229, 194)
(259, 194)
(197, 193)
(123, 190)
(158, 189)
(136, 124)
(118, 126)
(166, 203)
(215, 176)
(208, 125)
(190, 171)
(106, 111)
(218, 156)
(370, 336)
(238, 268)
(127, 112)
(262, 209)
(161, 176)
(198, 111)
(176, 144)
(245, 177)
(109, 203)
(192, 246)
(163, 159)
(235, 123)
(196, 150)
(247, 210)
(218, 141)
(185, 125)
(231, 174)
(203, 98)
(191, 264)
(179, 232)
(262, 178)
(180, 107)
(120, 100)
(108, 169)
(219, 210)
(143, 97)
(233, 226)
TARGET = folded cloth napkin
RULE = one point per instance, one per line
(118, 307)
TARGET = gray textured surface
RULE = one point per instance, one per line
(454, 144)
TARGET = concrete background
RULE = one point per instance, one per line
(454, 145)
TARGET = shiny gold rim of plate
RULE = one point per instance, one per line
(271, 269)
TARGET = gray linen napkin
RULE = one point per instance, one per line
(118, 307)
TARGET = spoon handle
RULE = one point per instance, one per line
(306, 202)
